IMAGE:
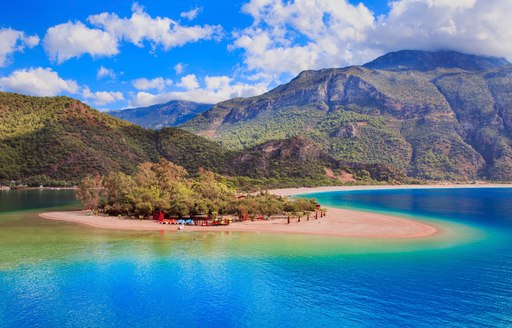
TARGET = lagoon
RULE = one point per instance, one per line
(59, 274)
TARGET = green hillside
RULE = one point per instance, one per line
(59, 140)
(62, 139)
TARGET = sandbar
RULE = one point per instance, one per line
(337, 222)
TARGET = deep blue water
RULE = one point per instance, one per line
(479, 206)
(60, 275)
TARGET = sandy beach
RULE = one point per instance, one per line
(337, 222)
(306, 190)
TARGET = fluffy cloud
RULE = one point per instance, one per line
(159, 31)
(288, 37)
(472, 26)
(101, 98)
(215, 89)
(191, 14)
(189, 82)
(158, 83)
(179, 68)
(73, 39)
(105, 72)
(68, 40)
(14, 41)
(37, 82)
(303, 34)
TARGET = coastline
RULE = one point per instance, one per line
(310, 190)
(337, 223)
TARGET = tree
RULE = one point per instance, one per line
(214, 190)
(165, 186)
(90, 192)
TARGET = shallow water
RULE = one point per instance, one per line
(60, 274)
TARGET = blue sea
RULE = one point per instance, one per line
(55, 274)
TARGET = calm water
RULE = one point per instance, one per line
(61, 275)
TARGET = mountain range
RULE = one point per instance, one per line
(408, 114)
(172, 113)
(432, 115)
(59, 140)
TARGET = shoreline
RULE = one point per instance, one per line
(311, 190)
(337, 223)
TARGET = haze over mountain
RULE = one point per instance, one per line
(172, 113)
(432, 115)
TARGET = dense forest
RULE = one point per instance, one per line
(167, 187)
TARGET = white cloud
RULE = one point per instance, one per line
(37, 82)
(159, 31)
(158, 83)
(189, 82)
(472, 26)
(288, 37)
(105, 72)
(14, 41)
(191, 14)
(68, 40)
(214, 90)
(217, 82)
(303, 34)
(179, 68)
(101, 98)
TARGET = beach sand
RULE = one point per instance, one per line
(307, 190)
(337, 222)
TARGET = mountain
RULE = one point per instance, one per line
(299, 157)
(59, 140)
(432, 115)
(173, 113)
(280, 163)
(427, 61)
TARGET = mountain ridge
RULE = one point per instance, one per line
(59, 140)
(169, 114)
(440, 123)
(430, 60)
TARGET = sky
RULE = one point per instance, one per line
(122, 54)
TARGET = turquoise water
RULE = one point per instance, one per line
(55, 274)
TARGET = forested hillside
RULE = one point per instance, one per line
(59, 140)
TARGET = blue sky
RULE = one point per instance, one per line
(118, 54)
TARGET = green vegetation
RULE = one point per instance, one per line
(165, 186)
(334, 126)
(58, 141)
(429, 121)
(269, 126)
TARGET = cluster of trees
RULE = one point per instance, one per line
(168, 187)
